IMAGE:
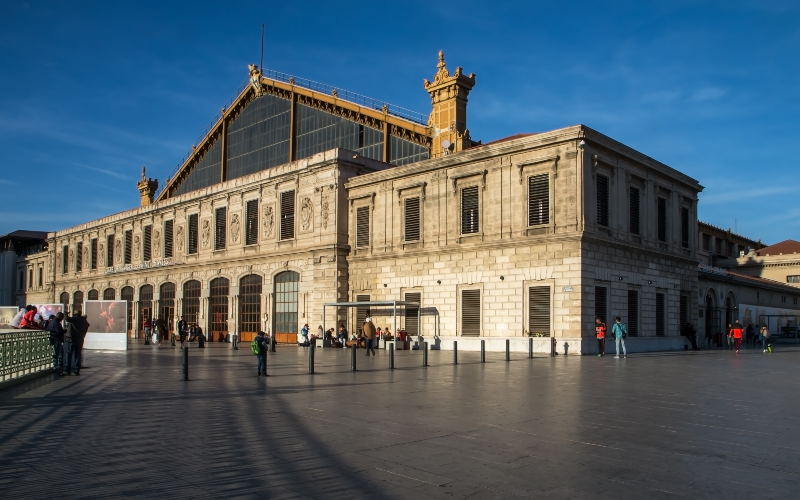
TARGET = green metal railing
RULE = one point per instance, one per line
(23, 352)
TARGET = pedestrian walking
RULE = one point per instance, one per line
(709, 336)
(750, 334)
(730, 336)
(737, 332)
(182, 326)
(148, 331)
(600, 331)
(620, 331)
(368, 331)
(260, 346)
(690, 332)
(161, 328)
(76, 333)
(57, 341)
(765, 339)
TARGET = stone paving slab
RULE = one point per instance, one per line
(699, 425)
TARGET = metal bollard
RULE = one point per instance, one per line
(353, 358)
(530, 348)
(455, 352)
(172, 340)
(234, 342)
(424, 354)
(552, 346)
(508, 350)
(201, 341)
(265, 364)
(185, 364)
(483, 351)
(311, 350)
(391, 356)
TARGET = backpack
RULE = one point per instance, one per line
(624, 330)
(255, 346)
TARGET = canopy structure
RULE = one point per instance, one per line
(393, 303)
(787, 330)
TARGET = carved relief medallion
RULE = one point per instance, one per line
(179, 237)
(269, 221)
(306, 214)
(206, 232)
(235, 228)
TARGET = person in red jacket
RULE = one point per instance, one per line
(736, 332)
(29, 320)
(600, 331)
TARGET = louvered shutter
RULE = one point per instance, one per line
(411, 219)
(469, 210)
(411, 313)
(539, 200)
(660, 314)
(78, 258)
(148, 241)
(633, 312)
(602, 200)
(684, 313)
(64, 262)
(128, 246)
(192, 234)
(600, 302)
(220, 228)
(168, 238)
(110, 251)
(662, 219)
(287, 215)
(93, 253)
(470, 312)
(635, 204)
(684, 227)
(251, 221)
(362, 227)
(361, 312)
(539, 309)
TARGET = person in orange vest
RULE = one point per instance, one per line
(600, 331)
(736, 332)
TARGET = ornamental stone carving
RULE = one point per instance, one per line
(269, 221)
(70, 264)
(235, 228)
(206, 233)
(86, 257)
(136, 247)
(101, 257)
(157, 243)
(118, 251)
(179, 237)
(324, 214)
(306, 214)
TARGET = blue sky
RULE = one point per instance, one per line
(90, 93)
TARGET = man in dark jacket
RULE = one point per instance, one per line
(263, 343)
(182, 326)
(76, 333)
(57, 341)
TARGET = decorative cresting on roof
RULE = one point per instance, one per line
(448, 118)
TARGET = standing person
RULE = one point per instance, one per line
(76, 331)
(161, 326)
(368, 330)
(29, 319)
(57, 341)
(304, 335)
(620, 331)
(764, 335)
(260, 346)
(709, 337)
(730, 336)
(737, 333)
(691, 336)
(182, 326)
(600, 331)
(148, 331)
(750, 334)
(341, 336)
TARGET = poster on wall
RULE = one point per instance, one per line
(776, 318)
(6, 315)
(47, 310)
(108, 324)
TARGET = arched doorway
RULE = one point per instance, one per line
(285, 314)
(249, 307)
(64, 299)
(146, 309)
(108, 294)
(191, 301)
(220, 287)
(728, 313)
(93, 295)
(166, 305)
(77, 301)
(126, 294)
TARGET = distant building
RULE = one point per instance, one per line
(16, 280)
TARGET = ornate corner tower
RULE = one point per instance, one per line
(147, 188)
(448, 119)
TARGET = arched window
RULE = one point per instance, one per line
(249, 306)
(126, 294)
(286, 327)
(145, 305)
(64, 299)
(219, 307)
(108, 294)
(166, 305)
(77, 301)
(93, 295)
(191, 301)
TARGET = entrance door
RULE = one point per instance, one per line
(286, 327)
(249, 307)
(166, 305)
(146, 309)
(219, 308)
(191, 302)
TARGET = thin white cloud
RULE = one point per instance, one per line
(707, 94)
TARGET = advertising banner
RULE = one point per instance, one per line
(6, 315)
(777, 319)
(108, 324)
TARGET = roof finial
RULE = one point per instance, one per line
(441, 59)
(143, 174)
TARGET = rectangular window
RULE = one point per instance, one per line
(470, 312)
(65, 259)
(707, 242)
(78, 257)
(793, 279)
(251, 223)
(21, 282)
(110, 250)
(220, 224)
(93, 251)
(192, 234)
(41, 280)
(287, 215)
(602, 200)
(539, 200)
(539, 309)
(168, 238)
(684, 312)
(633, 313)
(30, 278)
(147, 244)
(411, 314)
(128, 246)
(411, 216)
(662, 219)
(601, 303)
(684, 227)
(660, 310)
(635, 206)
(362, 227)
(469, 210)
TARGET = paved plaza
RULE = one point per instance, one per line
(672, 425)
